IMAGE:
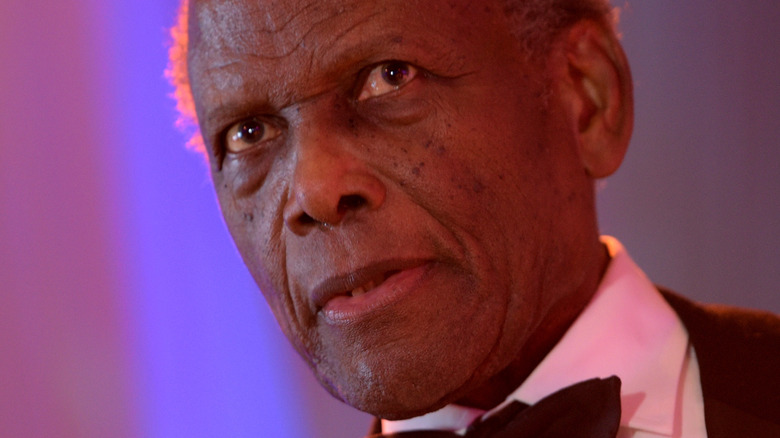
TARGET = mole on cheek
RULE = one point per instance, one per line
(438, 150)
(417, 169)
(249, 217)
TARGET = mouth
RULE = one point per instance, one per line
(353, 296)
(370, 285)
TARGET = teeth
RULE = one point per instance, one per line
(361, 290)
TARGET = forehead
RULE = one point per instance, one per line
(232, 42)
(279, 27)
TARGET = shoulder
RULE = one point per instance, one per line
(735, 347)
(738, 351)
(704, 320)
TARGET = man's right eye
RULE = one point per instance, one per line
(248, 134)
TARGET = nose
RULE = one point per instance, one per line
(330, 182)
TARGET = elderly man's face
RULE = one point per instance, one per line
(401, 183)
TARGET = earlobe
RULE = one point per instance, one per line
(601, 95)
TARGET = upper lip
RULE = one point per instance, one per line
(343, 284)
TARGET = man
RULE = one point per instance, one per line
(411, 185)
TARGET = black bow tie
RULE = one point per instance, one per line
(589, 409)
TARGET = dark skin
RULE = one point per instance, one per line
(414, 198)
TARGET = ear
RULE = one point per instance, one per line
(599, 91)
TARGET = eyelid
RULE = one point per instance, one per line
(374, 84)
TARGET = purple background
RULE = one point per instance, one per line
(125, 310)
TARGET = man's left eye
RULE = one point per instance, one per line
(387, 77)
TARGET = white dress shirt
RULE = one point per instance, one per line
(627, 330)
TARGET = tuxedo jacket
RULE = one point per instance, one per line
(738, 352)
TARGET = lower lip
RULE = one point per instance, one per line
(347, 309)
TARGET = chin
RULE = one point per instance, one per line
(394, 409)
(389, 397)
(400, 392)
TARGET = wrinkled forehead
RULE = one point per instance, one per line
(242, 25)
(274, 28)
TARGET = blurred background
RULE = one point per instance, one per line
(125, 310)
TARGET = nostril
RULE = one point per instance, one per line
(305, 219)
(350, 202)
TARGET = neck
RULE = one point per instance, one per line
(550, 331)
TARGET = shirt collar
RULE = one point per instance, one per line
(627, 330)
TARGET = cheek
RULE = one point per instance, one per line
(256, 227)
(465, 181)
(493, 178)
(255, 224)
(478, 153)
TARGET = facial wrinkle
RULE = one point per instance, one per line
(287, 36)
(349, 29)
(270, 22)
